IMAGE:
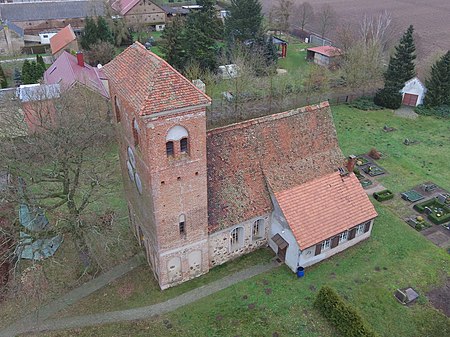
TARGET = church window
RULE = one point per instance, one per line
(138, 182)
(258, 229)
(135, 132)
(236, 238)
(182, 224)
(169, 149)
(184, 145)
(117, 109)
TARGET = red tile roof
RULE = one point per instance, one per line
(281, 150)
(124, 6)
(326, 50)
(150, 84)
(325, 207)
(66, 71)
(62, 39)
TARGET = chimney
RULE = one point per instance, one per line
(80, 58)
(351, 161)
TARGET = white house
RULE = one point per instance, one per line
(319, 218)
(413, 92)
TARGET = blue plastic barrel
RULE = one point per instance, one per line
(300, 272)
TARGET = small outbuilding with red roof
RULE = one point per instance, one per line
(65, 39)
(327, 56)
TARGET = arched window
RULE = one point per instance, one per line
(117, 109)
(177, 134)
(135, 132)
(182, 224)
(184, 145)
(169, 149)
(236, 238)
(258, 229)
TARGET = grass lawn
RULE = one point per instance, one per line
(295, 60)
(367, 275)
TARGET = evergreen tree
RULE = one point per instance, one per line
(3, 81)
(89, 36)
(438, 85)
(103, 31)
(17, 76)
(27, 77)
(40, 66)
(401, 68)
(172, 41)
(244, 20)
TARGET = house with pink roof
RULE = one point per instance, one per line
(69, 70)
(141, 12)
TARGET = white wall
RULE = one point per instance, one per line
(45, 37)
(414, 87)
(292, 251)
(307, 257)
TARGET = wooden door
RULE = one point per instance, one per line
(410, 99)
(282, 253)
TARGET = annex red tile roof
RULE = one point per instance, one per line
(324, 207)
(62, 39)
(326, 50)
(150, 84)
(66, 71)
(282, 150)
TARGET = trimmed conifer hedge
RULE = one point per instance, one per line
(342, 315)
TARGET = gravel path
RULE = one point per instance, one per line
(43, 313)
(142, 312)
(406, 111)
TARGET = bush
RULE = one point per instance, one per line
(342, 315)
(442, 111)
(439, 220)
(420, 207)
(365, 103)
(383, 195)
(374, 154)
(388, 99)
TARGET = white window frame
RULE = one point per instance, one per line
(343, 237)
(236, 238)
(258, 229)
(326, 244)
(360, 229)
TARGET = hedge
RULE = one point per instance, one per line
(342, 315)
(421, 206)
(383, 195)
(439, 220)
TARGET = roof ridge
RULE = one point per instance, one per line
(268, 118)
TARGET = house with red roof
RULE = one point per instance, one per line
(141, 12)
(65, 39)
(327, 56)
(69, 70)
(198, 198)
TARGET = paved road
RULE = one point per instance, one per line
(40, 315)
(142, 312)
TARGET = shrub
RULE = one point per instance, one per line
(388, 99)
(442, 111)
(365, 103)
(374, 154)
(439, 220)
(342, 315)
(383, 195)
(420, 207)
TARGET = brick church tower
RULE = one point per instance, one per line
(161, 126)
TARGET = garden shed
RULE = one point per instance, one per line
(413, 92)
(327, 56)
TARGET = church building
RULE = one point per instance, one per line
(198, 198)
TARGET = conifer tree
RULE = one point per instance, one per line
(244, 20)
(17, 76)
(438, 85)
(3, 81)
(103, 31)
(27, 77)
(401, 68)
(89, 36)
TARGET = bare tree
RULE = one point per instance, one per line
(377, 29)
(303, 15)
(326, 18)
(281, 14)
(100, 53)
(57, 147)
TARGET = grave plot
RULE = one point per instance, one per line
(373, 170)
(436, 209)
(412, 196)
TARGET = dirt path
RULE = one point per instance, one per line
(43, 313)
(142, 312)
(406, 111)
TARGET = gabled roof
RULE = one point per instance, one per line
(18, 30)
(62, 39)
(412, 82)
(33, 11)
(275, 152)
(124, 6)
(324, 207)
(66, 71)
(329, 51)
(150, 84)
